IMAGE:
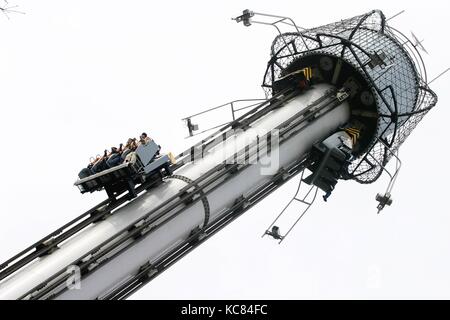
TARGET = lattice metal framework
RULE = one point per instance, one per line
(389, 63)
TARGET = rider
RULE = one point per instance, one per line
(114, 157)
(130, 146)
(144, 139)
(100, 164)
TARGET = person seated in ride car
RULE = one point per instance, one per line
(144, 139)
(114, 157)
(130, 146)
(100, 163)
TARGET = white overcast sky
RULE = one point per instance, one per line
(80, 76)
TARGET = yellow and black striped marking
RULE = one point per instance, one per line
(354, 134)
(308, 73)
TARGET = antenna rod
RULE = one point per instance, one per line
(396, 15)
(440, 75)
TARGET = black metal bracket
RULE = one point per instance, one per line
(245, 17)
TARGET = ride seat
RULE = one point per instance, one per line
(147, 152)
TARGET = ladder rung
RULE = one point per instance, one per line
(305, 202)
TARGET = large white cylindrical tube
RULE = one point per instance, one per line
(163, 239)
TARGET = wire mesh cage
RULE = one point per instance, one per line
(390, 64)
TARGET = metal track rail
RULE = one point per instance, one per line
(50, 242)
(97, 257)
(149, 271)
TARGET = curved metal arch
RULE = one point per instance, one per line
(361, 21)
(202, 195)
